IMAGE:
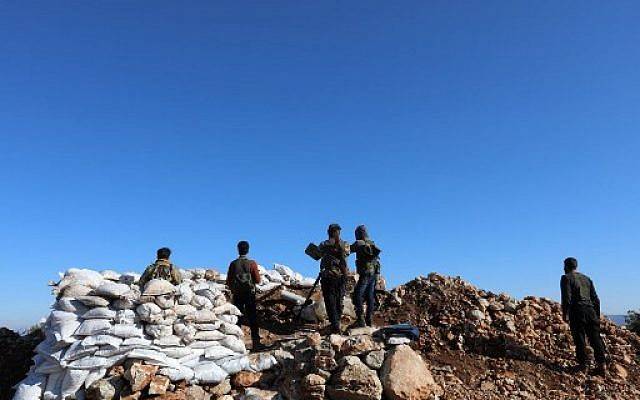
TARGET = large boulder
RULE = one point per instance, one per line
(405, 375)
(354, 381)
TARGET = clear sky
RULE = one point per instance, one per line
(484, 139)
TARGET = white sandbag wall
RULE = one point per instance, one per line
(103, 319)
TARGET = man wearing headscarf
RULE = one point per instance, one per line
(368, 269)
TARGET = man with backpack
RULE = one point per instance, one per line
(242, 277)
(162, 268)
(334, 272)
(368, 268)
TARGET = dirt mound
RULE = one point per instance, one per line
(486, 345)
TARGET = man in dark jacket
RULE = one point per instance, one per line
(581, 308)
(162, 268)
(242, 277)
(334, 272)
(368, 268)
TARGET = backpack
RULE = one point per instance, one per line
(243, 280)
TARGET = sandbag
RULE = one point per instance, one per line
(126, 331)
(184, 293)
(165, 301)
(176, 352)
(53, 389)
(93, 327)
(233, 343)
(76, 276)
(88, 363)
(202, 316)
(286, 272)
(99, 313)
(63, 332)
(177, 374)
(102, 340)
(77, 350)
(231, 329)
(158, 331)
(209, 335)
(137, 341)
(147, 355)
(123, 304)
(227, 308)
(184, 310)
(234, 365)
(183, 330)
(72, 381)
(203, 344)
(111, 290)
(93, 301)
(168, 341)
(218, 352)
(30, 388)
(201, 302)
(211, 326)
(129, 278)
(110, 275)
(125, 317)
(209, 372)
(70, 304)
(157, 287)
(74, 290)
(230, 319)
(149, 312)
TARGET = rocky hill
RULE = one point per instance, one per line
(474, 344)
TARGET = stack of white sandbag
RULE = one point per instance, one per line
(280, 276)
(102, 319)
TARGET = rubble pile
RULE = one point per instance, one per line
(513, 348)
(358, 366)
(107, 338)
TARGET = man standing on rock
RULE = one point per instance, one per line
(242, 277)
(334, 272)
(368, 268)
(581, 309)
(161, 269)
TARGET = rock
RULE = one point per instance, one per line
(336, 341)
(405, 375)
(357, 345)
(312, 387)
(140, 375)
(620, 371)
(259, 394)
(245, 379)
(159, 385)
(314, 339)
(196, 393)
(476, 315)
(102, 389)
(221, 388)
(354, 381)
(349, 309)
(374, 359)
(367, 330)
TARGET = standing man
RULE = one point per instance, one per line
(161, 269)
(334, 272)
(581, 308)
(368, 268)
(242, 278)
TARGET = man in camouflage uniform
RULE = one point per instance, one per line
(368, 268)
(161, 269)
(581, 308)
(242, 277)
(334, 272)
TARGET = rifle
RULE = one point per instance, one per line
(307, 302)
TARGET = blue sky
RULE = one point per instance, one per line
(485, 139)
